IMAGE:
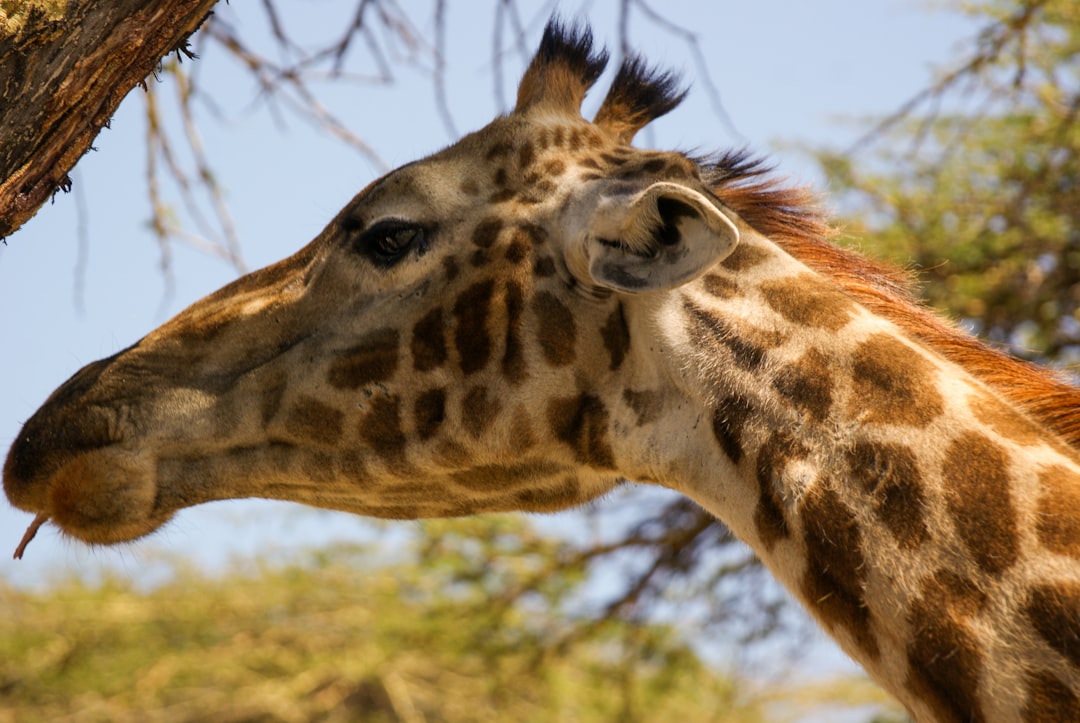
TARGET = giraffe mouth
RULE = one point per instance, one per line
(101, 496)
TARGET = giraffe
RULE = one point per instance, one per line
(542, 311)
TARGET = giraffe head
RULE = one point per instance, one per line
(461, 338)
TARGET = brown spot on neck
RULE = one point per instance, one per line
(647, 405)
(893, 384)
(1058, 512)
(980, 501)
(806, 300)
(889, 474)
(729, 418)
(1049, 700)
(774, 456)
(747, 353)
(807, 384)
(836, 568)
(944, 656)
(616, 336)
(1054, 611)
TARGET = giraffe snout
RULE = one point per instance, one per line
(68, 462)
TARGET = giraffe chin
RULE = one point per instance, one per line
(105, 496)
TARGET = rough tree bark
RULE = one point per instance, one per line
(65, 65)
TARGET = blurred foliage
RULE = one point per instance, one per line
(331, 636)
(976, 181)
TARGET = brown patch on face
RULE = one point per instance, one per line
(616, 336)
(729, 417)
(470, 187)
(1056, 523)
(486, 232)
(806, 300)
(518, 249)
(313, 420)
(889, 474)
(747, 347)
(1049, 700)
(944, 655)
(526, 155)
(1004, 420)
(522, 432)
(471, 337)
(745, 256)
(502, 148)
(778, 451)
(478, 411)
(654, 165)
(808, 385)
(374, 359)
(380, 427)
(502, 196)
(979, 500)
(513, 361)
(450, 267)
(647, 405)
(893, 384)
(536, 192)
(1054, 611)
(556, 331)
(719, 286)
(582, 423)
(536, 234)
(554, 168)
(544, 267)
(270, 402)
(575, 142)
(500, 178)
(428, 345)
(429, 412)
(836, 569)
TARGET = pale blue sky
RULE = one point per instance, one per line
(790, 73)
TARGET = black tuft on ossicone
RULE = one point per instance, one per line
(572, 45)
(643, 92)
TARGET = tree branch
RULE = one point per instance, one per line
(61, 80)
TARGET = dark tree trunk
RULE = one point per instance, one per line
(63, 73)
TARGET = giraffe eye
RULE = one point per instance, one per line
(386, 242)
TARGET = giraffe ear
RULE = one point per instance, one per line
(664, 237)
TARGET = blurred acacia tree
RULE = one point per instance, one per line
(331, 635)
(976, 181)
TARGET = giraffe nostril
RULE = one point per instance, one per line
(48, 440)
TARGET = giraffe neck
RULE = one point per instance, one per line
(929, 527)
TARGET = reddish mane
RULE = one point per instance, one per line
(789, 217)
